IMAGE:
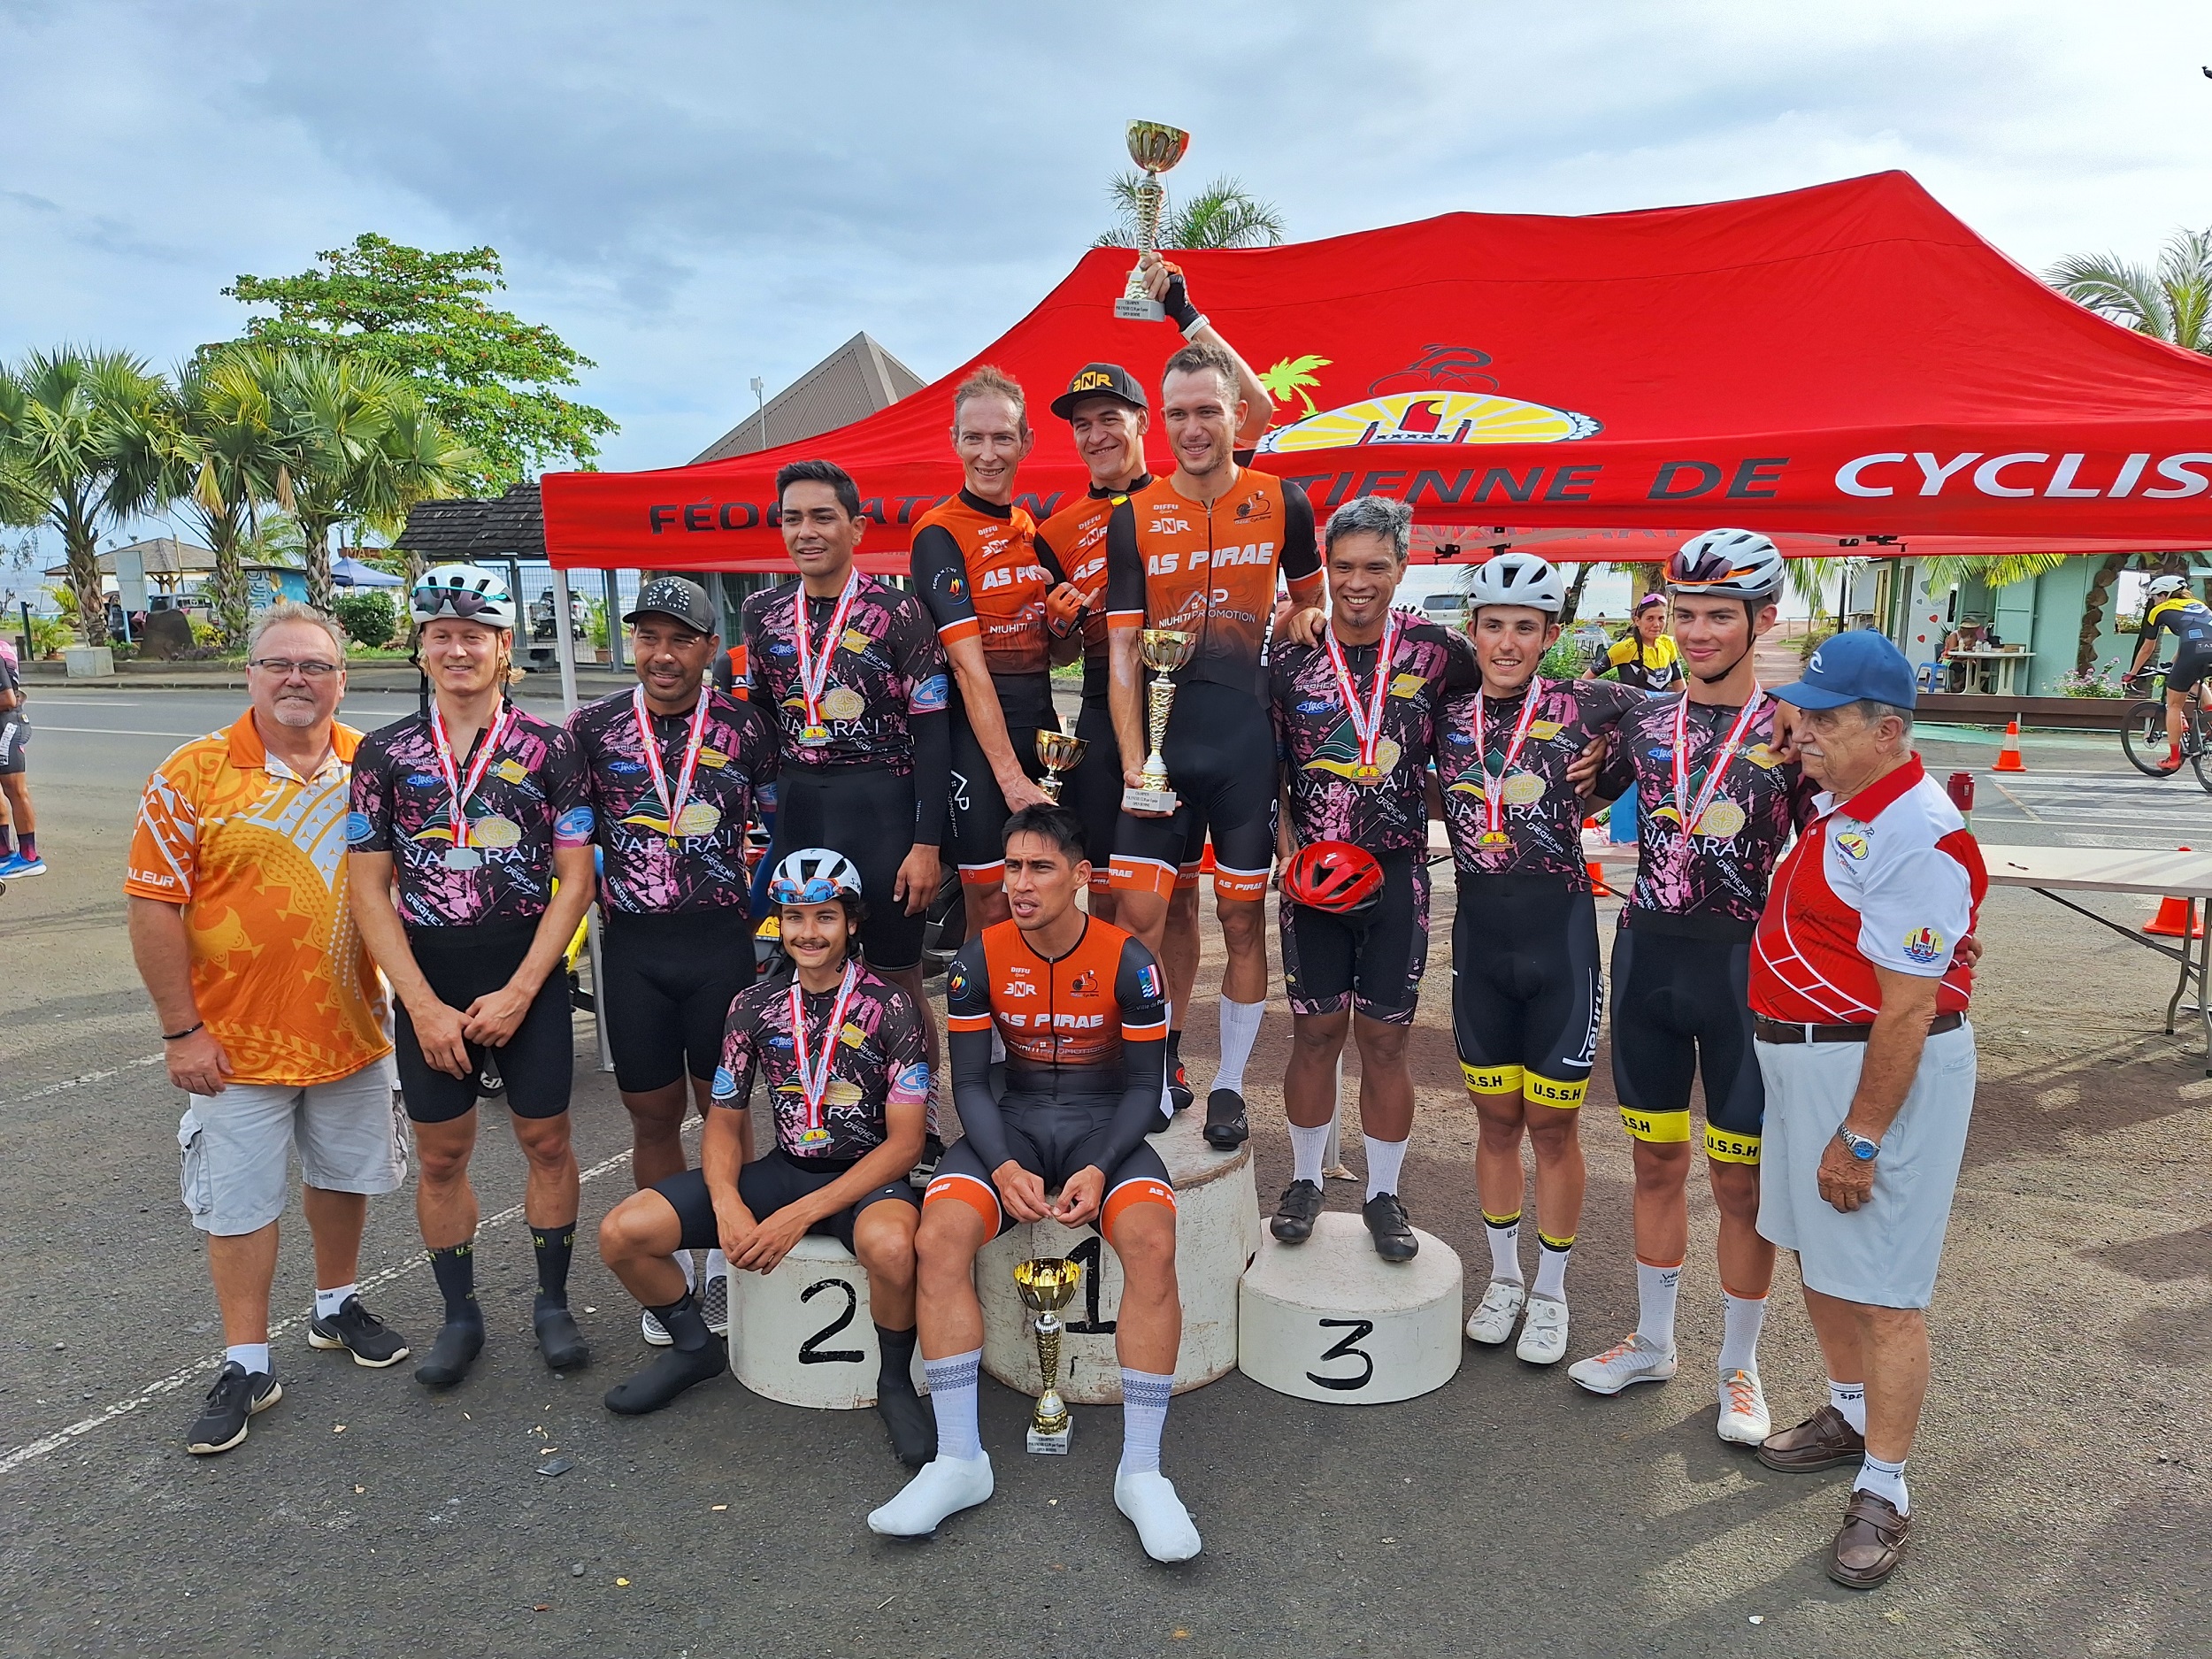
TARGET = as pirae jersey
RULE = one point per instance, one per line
(1541, 815)
(1065, 1020)
(879, 1059)
(1210, 570)
(532, 799)
(2188, 619)
(885, 666)
(1074, 540)
(978, 568)
(1318, 741)
(647, 864)
(1759, 802)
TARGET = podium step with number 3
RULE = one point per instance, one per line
(1331, 1320)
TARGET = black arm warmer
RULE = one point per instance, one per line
(971, 1096)
(933, 770)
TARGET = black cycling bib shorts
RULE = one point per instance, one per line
(1371, 963)
(866, 813)
(976, 812)
(1052, 1137)
(1220, 757)
(767, 1185)
(1682, 1007)
(1527, 991)
(537, 1065)
(670, 979)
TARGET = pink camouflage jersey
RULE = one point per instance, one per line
(885, 664)
(1759, 803)
(1541, 815)
(1318, 743)
(532, 799)
(879, 1059)
(640, 872)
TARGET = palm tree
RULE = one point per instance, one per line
(64, 416)
(1222, 214)
(333, 414)
(222, 455)
(418, 458)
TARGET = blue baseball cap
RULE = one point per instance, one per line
(1850, 667)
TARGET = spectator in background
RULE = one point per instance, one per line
(19, 825)
(1647, 658)
(269, 1010)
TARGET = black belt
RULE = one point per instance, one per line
(1788, 1031)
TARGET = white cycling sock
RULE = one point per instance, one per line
(253, 1355)
(1308, 1147)
(1850, 1399)
(1385, 1160)
(1551, 1266)
(328, 1302)
(952, 1395)
(1656, 1290)
(1504, 1233)
(1885, 1480)
(1745, 1318)
(682, 1259)
(1144, 1396)
(717, 1265)
(1240, 1029)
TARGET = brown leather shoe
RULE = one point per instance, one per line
(1821, 1441)
(1871, 1543)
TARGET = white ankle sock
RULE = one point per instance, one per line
(1240, 1028)
(1308, 1147)
(1885, 1480)
(253, 1355)
(682, 1258)
(1385, 1160)
(1551, 1267)
(717, 1265)
(1745, 1318)
(952, 1393)
(1656, 1290)
(1144, 1396)
(328, 1302)
(1850, 1399)
(1504, 1233)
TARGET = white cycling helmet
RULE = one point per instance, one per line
(474, 593)
(814, 875)
(1735, 564)
(2167, 587)
(1516, 579)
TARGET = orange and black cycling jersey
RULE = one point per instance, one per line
(1074, 538)
(978, 568)
(1210, 570)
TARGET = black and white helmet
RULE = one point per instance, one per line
(474, 593)
(1516, 579)
(814, 875)
(1736, 563)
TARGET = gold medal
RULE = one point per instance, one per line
(495, 833)
(1721, 820)
(1524, 788)
(1367, 773)
(698, 818)
(1496, 838)
(842, 703)
(814, 736)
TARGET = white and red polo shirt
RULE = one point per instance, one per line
(1890, 879)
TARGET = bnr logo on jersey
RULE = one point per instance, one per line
(1170, 527)
(1923, 944)
(1018, 987)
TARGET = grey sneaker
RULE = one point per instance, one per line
(354, 1328)
(237, 1394)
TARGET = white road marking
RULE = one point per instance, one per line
(108, 731)
(198, 1371)
(66, 1084)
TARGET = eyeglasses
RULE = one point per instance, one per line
(814, 890)
(461, 602)
(284, 668)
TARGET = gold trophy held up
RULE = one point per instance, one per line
(1047, 1284)
(1154, 146)
(1164, 650)
(1061, 754)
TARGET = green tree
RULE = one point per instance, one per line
(222, 455)
(1221, 214)
(369, 617)
(64, 419)
(489, 377)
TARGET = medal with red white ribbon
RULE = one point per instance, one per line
(1493, 832)
(1367, 723)
(813, 670)
(1693, 818)
(676, 804)
(814, 1076)
(460, 855)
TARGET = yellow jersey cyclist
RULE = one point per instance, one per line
(1647, 658)
(2174, 610)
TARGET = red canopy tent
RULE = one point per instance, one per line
(1848, 360)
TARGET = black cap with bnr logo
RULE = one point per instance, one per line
(1099, 380)
(674, 596)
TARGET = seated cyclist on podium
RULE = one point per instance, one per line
(1081, 1006)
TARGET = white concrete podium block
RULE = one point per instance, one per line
(1331, 1320)
(1216, 1230)
(803, 1334)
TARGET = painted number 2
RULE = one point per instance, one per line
(1347, 1347)
(811, 1351)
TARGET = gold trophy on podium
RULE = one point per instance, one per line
(1047, 1284)
(1164, 650)
(1061, 754)
(1154, 146)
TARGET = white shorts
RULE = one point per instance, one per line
(1884, 1254)
(235, 1146)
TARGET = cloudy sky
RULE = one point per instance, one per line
(693, 194)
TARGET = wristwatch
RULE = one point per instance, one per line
(1859, 1145)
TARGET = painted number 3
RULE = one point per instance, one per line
(811, 1351)
(1347, 1347)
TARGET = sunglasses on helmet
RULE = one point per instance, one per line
(461, 602)
(813, 890)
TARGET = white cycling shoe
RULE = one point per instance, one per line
(1543, 1331)
(1163, 1525)
(1633, 1361)
(1492, 1321)
(1743, 1410)
(945, 1487)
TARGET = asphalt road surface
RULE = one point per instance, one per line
(2060, 1493)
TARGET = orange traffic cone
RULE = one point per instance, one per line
(1597, 882)
(2009, 758)
(2172, 919)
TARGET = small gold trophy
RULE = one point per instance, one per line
(1156, 147)
(1048, 1284)
(1164, 650)
(1061, 754)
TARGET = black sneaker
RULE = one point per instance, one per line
(1179, 1089)
(237, 1394)
(1226, 1128)
(1385, 1219)
(360, 1333)
(1295, 1210)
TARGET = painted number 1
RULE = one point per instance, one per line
(1090, 1254)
